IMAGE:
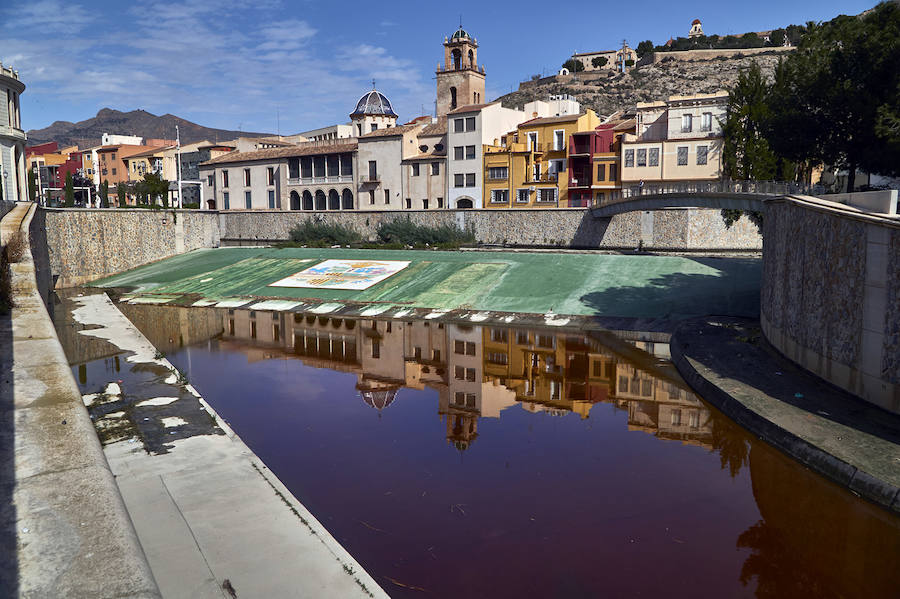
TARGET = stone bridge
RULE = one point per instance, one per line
(733, 195)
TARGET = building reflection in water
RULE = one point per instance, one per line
(478, 371)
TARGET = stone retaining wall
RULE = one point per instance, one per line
(86, 244)
(830, 289)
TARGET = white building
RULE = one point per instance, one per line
(12, 137)
(469, 129)
(110, 139)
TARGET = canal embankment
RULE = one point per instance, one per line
(208, 512)
(65, 531)
(832, 432)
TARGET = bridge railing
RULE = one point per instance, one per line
(770, 188)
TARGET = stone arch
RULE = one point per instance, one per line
(307, 200)
(471, 59)
(464, 204)
(295, 200)
(334, 200)
(347, 200)
(456, 57)
(321, 201)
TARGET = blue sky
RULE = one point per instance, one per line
(257, 64)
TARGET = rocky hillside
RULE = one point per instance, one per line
(137, 122)
(615, 91)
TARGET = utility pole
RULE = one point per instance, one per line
(178, 162)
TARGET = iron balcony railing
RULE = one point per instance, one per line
(314, 180)
(768, 188)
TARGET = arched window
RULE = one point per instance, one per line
(457, 58)
(464, 204)
(452, 97)
(295, 200)
(321, 203)
(471, 59)
(334, 200)
(307, 200)
(347, 199)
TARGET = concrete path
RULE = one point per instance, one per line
(209, 514)
(834, 433)
(64, 530)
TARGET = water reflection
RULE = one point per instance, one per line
(771, 528)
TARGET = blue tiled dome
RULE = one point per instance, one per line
(373, 103)
(460, 34)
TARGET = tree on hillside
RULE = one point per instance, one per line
(104, 194)
(573, 65)
(70, 191)
(645, 47)
(834, 98)
(747, 154)
(599, 61)
(777, 37)
(32, 185)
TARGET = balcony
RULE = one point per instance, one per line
(320, 180)
(13, 132)
(543, 178)
(370, 179)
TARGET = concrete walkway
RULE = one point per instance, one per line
(834, 433)
(64, 531)
(209, 514)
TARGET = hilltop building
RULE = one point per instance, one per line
(615, 60)
(460, 81)
(696, 29)
(12, 137)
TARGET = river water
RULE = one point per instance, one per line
(458, 460)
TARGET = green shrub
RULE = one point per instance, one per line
(404, 231)
(320, 234)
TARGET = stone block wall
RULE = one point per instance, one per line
(829, 301)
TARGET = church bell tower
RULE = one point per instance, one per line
(460, 81)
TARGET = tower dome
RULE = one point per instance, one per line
(379, 398)
(460, 34)
(373, 103)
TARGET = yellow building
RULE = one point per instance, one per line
(528, 168)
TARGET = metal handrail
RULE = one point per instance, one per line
(768, 188)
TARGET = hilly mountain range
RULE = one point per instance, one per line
(87, 133)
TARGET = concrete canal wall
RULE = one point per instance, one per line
(85, 244)
(64, 530)
(830, 289)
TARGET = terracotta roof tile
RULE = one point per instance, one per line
(438, 128)
(392, 131)
(549, 120)
(471, 108)
(307, 149)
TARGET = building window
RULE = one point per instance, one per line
(559, 140)
(376, 349)
(373, 170)
(440, 202)
(247, 200)
(629, 158)
(613, 171)
(682, 155)
(470, 123)
(702, 152)
(408, 203)
(522, 196)
(372, 196)
(224, 178)
(706, 122)
(642, 157)
(470, 179)
(225, 200)
(271, 199)
(458, 152)
(374, 127)
(415, 169)
(114, 170)
(387, 196)
(498, 172)
(458, 125)
(654, 157)
(425, 204)
(687, 123)
(533, 141)
(453, 96)
(270, 176)
(435, 168)
(209, 180)
(470, 152)
(459, 180)
(499, 196)
(601, 172)
(499, 335)
(498, 358)
(247, 177)
(547, 194)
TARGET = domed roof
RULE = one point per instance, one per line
(379, 399)
(695, 22)
(460, 34)
(373, 103)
